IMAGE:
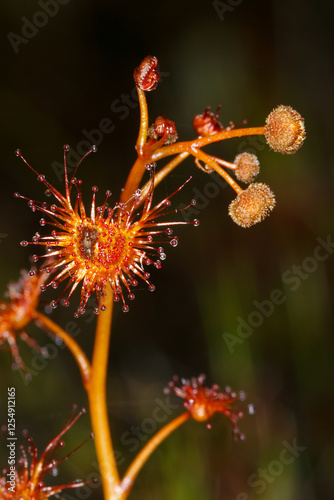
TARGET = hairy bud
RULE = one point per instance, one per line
(252, 205)
(162, 126)
(247, 167)
(146, 76)
(207, 123)
(285, 130)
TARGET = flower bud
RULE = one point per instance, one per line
(247, 167)
(207, 123)
(146, 77)
(162, 126)
(252, 205)
(285, 130)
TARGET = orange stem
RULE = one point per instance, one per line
(98, 405)
(160, 175)
(229, 134)
(133, 180)
(142, 136)
(78, 354)
(209, 160)
(180, 148)
(190, 146)
(144, 454)
(226, 164)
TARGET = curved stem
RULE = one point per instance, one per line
(144, 454)
(180, 148)
(98, 404)
(138, 169)
(209, 160)
(134, 179)
(226, 164)
(142, 136)
(160, 175)
(78, 354)
(188, 146)
(229, 134)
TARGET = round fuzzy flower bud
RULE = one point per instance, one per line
(247, 167)
(252, 205)
(285, 130)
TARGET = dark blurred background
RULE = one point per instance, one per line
(59, 80)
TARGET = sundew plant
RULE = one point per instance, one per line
(105, 250)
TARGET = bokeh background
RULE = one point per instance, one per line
(56, 87)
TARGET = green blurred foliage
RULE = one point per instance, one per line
(65, 80)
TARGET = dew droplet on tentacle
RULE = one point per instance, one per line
(251, 409)
(242, 396)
